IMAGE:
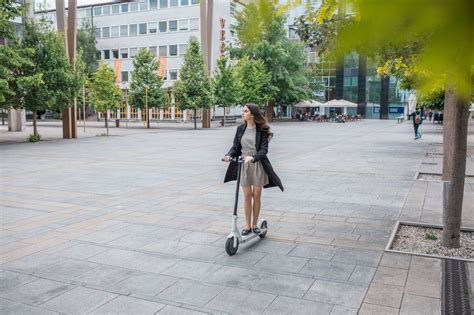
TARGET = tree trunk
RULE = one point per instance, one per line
(269, 111)
(195, 123)
(453, 190)
(3, 116)
(107, 123)
(35, 129)
(450, 101)
(223, 122)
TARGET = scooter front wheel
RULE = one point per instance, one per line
(229, 246)
(263, 227)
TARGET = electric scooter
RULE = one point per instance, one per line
(235, 237)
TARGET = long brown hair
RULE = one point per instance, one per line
(260, 120)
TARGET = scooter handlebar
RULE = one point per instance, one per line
(235, 159)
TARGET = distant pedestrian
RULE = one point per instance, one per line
(417, 121)
(430, 115)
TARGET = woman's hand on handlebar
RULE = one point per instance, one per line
(226, 158)
(248, 159)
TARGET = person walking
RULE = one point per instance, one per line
(417, 121)
(430, 115)
(251, 142)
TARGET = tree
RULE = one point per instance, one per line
(256, 82)
(145, 87)
(86, 42)
(226, 85)
(103, 93)
(193, 88)
(47, 81)
(261, 32)
(446, 57)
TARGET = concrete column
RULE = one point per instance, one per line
(172, 112)
(185, 115)
(16, 119)
(139, 112)
(128, 112)
(161, 113)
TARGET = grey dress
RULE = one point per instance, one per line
(253, 174)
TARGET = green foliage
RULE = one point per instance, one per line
(103, 93)
(34, 138)
(261, 31)
(431, 236)
(226, 85)
(193, 89)
(433, 99)
(9, 10)
(86, 42)
(256, 82)
(145, 74)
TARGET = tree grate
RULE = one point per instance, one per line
(455, 288)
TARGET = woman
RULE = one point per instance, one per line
(251, 142)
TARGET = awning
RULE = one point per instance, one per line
(310, 103)
(339, 103)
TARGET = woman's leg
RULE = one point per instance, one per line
(247, 205)
(257, 193)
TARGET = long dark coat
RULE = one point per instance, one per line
(261, 145)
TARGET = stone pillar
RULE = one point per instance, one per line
(16, 119)
(340, 78)
(361, 85)
(172, 112)
(139, 114)
(161, 113)
(384, 86)
(128, 112)
(185, 115)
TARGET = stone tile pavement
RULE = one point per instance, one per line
(137, 223)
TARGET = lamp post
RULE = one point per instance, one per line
(146, 106)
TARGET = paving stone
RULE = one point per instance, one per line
(36, 292)
(137, 229)
(396, 260)
(414, 305)
(79, 300)
(286, 305)
(358, 257)
(242, 258)
(10, 280)
(336, 293)
(287, 285)
(200, 252)
(132, 241)
(166, 246)
(129, 305)
(235, 277)
(67, 269)
(240, 300)
(151, 263)
(34, 262)
(371, 309)
(343, 310)
(192, 270)
(173, 310)
(163, 233)
(424, 277)
(81, 251)
(272, 247)
(191, 292)
(105, 276)
(149, 284)
(201, 238)
(362, 274)
(327, 270)
(281, 263)
(394, 276)
(115, 257)
(385, 295)
(26, 309)
(314, 251)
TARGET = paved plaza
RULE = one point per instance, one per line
(136, 223)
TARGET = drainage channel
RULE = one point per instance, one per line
(455, 288)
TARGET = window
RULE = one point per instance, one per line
(133, 52)
(153, 4)
(124, 53)
(106, 54)
(163, 27)
(123, 30)
(105, 32)
(182, 49)
(194, 1)
(163, 51)
(183, 25)
(124, 8)
(81, 13)
(152, 27)
(97, 11)
(106, 10)
(115, 9)
(173, 75)
(173, 50)
(97, 32)
(232, 8)
(184, 2)
(124, 76)
(173, 3)
(115, 53)
(133, 7)
(114, 30)
(89, 12)
(153, 50)
(143, 5)
(163, 4)
(142, 28)
(133, 29)
(173, 25)
(194, 24)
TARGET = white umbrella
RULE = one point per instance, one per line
(310, 103)
(339, 103)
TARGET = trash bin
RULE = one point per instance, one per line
(117, 123)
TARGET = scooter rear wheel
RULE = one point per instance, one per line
(263, 227)
(229, 246)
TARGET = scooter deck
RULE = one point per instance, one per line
(251, 235)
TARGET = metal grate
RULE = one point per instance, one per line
(455, 288)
